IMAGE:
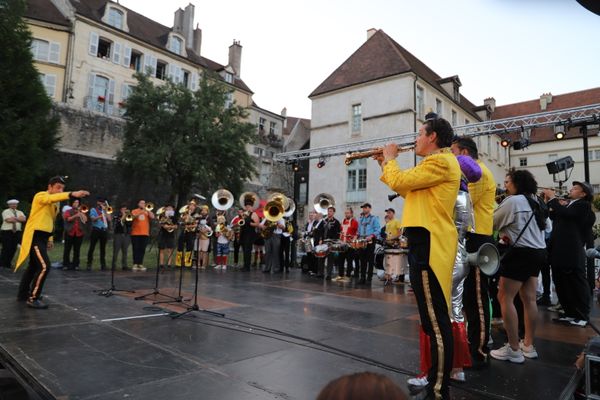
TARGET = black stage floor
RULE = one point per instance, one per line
(283, 337)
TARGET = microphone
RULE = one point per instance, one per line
(391, 197)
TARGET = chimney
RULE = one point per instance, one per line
(545, 100)
(178, 21)
(371, 32)
(235, 57)
(197, 40)
(284, 115)
(187, 26)
(491, 103)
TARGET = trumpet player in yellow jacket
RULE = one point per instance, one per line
(37, 238)
(430, 191)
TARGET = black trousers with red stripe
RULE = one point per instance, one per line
(34, 277)
(433, 311)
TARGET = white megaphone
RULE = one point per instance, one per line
(593, 253)
(487, 259)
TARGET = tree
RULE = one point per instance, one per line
(28, 131)
(188, 141)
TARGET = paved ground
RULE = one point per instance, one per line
(283, 337)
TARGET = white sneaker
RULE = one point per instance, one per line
(142, 268)
(528, 351)
(458, 376)
(223, 266)
(135, 267)
(506, 353)
(578, 322)
(419, 382)
(217, 267)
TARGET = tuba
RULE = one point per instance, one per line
(249, 196)
(322, 202)
(222, 199)
(280, 198)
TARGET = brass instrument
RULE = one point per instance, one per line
(127, 216)
(222, 199)
(205, 229)
(224, 230)
(161, 211)
(373, 152)
(241, 222)
(274, 211)
(289, 227)
(289, 211)
(322, 202)
(108, 208)
(281, 198)
(268, 228)
(149, 207)
(169, 225)
(249, 196)
(84, 208)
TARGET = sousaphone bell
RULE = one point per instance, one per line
(322, 202)
(249, 196)
(222, 199)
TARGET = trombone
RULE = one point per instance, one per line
(149, 206)
(373, 152)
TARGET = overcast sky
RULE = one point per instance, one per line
(513, 50)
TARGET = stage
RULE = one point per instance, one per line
(284, 336)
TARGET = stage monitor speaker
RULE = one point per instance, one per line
(487, 259)
(562, 164)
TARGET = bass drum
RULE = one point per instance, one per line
(395, 263)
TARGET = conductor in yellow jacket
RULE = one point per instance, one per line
(429, 191)
(37, 238)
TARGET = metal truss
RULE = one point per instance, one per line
(568, 116)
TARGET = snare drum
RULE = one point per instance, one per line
(337, 247)
(321, 250)
(395, 263)
(358, 244)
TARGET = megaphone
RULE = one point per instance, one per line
(593, 253)
(487, 259)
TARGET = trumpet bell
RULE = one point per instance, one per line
(184, 209)
(128, 216)
(109, 210)
(84, 208)
(250, 197)
(149, 207)
(160, 211)
(222, 199)
(289, 211)
(241, 222)
(322, 202)
(280, 197)
(273, 211)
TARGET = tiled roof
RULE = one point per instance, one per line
(291, 123)
(148, 31)
(380, 57)
(559, 102)
(44, 10)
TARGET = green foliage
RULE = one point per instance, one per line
(187, 141)
(28, 131)
(596, 202)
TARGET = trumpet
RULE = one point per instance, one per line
(84, 208)
(373, 152)
(108, 208)
(149, 206)
(241, 222)
(127, 216)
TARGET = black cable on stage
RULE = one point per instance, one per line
(255, 329)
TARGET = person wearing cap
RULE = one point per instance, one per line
(99, 219)
(393, 228)
(140, 234)
(430, 190)
(12, 229)
(368, 229)
(572, 220)
(37, 238)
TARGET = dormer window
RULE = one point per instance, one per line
(228, 77)
(176, 45)
(115, 18)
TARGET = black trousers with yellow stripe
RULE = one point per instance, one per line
(433, 311)
(32, 281)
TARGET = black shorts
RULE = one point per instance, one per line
(166, 240)
(522, 263)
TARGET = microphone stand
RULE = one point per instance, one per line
(156, 292)
(179, 298)
(195, 307)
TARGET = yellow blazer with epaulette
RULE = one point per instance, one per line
(430, 190)
(483, 197)
(41, 218)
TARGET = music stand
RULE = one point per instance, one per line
(155, 291)
(179, 298)
(195, 307)
(109, 292)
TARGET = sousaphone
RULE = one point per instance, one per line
(322, 202)
(222, 199)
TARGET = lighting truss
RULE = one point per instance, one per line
(575, 115)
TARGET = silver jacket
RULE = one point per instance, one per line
(464, 221)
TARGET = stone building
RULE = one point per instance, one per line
(383, 90)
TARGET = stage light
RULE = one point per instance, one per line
(296, 166)
(562, 164)
(559, 132)
(521, 144)
(321, 162)
(505, 142)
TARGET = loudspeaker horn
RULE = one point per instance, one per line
(487, 259)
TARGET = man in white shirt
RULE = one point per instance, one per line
(12, 229)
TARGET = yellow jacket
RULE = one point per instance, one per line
(41, 218)
(483, 196)
(430, 190)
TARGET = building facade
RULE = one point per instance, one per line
(382, 90)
